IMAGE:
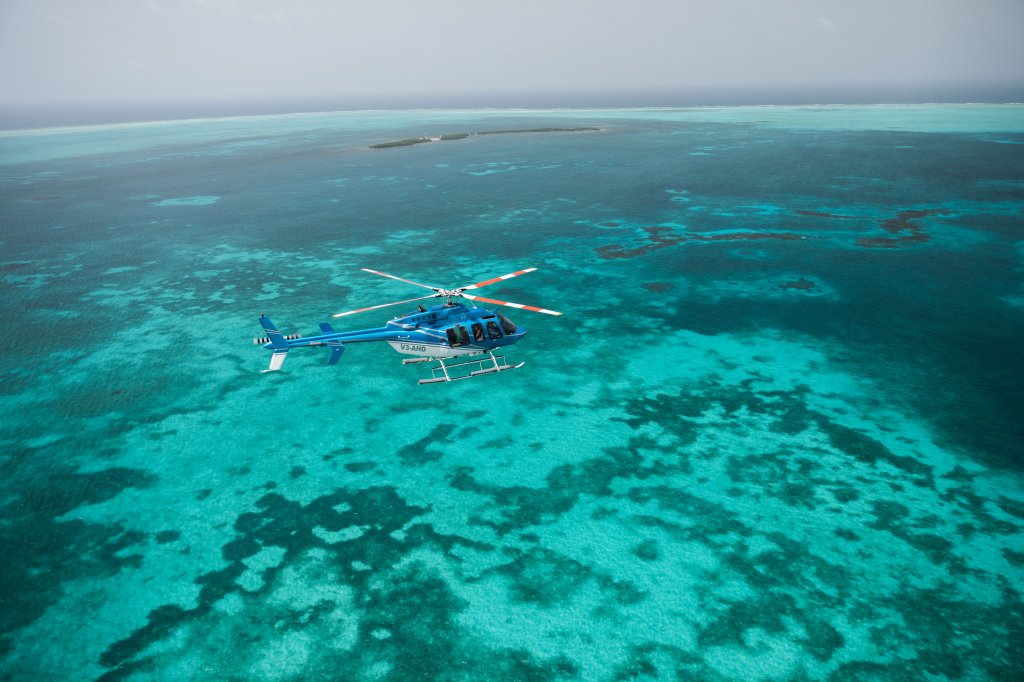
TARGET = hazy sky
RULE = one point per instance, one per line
(58, 52)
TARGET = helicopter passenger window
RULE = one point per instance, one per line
(507, 324)
(478, 332)
(463, 335)
(453, 340)
(492, 330)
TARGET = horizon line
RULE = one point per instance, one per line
(62, 114)
(70, 127)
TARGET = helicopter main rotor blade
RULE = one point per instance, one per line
(511, 305)
(400, 279)
(383, 305)
(499, 279)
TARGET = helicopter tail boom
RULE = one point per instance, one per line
(281, 343)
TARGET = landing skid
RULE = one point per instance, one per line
(449, 371)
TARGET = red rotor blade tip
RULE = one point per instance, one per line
(500, 279)
(512, 305)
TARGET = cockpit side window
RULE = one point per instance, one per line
(492, 330)
(457, 336)
(507, 324)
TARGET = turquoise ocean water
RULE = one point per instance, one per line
(776, 434)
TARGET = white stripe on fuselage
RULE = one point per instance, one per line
(431, 350)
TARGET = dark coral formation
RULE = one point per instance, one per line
(32, 537)
(902, 223)
(408, 615)
(657, 287)
(802, 284)
(746, 236)
(657, 238)
(824, 214)
(660, 237)
(903, 226)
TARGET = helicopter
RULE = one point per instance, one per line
(440, 333)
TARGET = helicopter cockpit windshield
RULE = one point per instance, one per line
(507, 324)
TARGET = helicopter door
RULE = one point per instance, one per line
(478, 332)
(457, 336)
(492, 331)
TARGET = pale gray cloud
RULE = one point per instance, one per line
(826, 24)
(95, 51)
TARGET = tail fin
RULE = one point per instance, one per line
(278, 341)
(276, 337)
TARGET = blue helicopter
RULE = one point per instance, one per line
(439, 333)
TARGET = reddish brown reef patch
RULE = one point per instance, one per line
(903, 222)
(802, 284)
(662, 237)
(657, 238)
(657, 287)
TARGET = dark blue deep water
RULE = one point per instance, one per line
(775, 435)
